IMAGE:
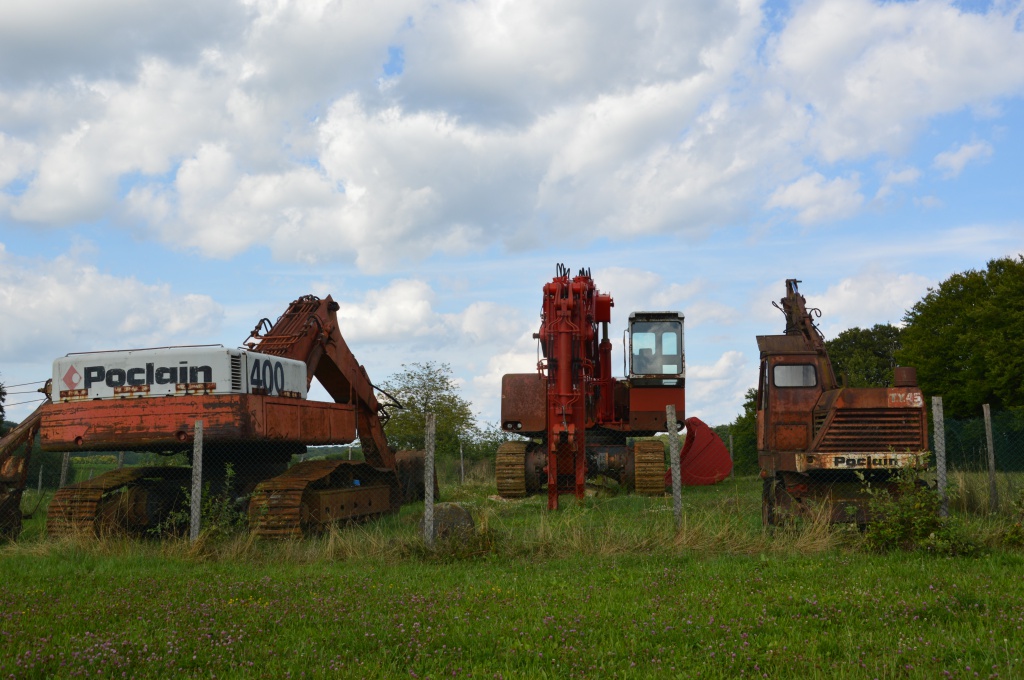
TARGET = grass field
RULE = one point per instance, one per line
(603, 588)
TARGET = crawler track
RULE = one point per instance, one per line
(313, 494)
(650, 468)
(510, 469)
(97, 504)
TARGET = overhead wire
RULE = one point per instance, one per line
(30, 401)
(34, 382)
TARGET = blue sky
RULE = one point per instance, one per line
(170, 173)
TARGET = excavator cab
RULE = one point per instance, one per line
(656, 368)
(655, 349)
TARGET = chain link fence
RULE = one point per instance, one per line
(984, 478)
(336, 483)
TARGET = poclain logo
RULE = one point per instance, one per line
(72, 378)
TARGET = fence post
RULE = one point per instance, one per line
(462, 467)
(732, 460)
(39, 491)
(673, 455)
(993, 489)
(197, 482)
(428, 485)
(940, 454)
(120, 459)
(65, 462)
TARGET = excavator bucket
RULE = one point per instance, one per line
(704, 460)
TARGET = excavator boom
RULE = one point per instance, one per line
(309, 331)
(14, 470)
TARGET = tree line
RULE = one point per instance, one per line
(965, 337)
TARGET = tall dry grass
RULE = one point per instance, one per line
(969, 491)
(723, 520)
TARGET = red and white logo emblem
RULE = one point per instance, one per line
(72, 378)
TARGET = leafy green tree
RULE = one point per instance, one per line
(966, 339)
(744, 436)
(3, 397)
(866, 356)
(424, 388)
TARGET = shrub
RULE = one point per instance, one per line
(906, 517)
(220, 513)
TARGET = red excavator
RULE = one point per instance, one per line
(819, 442)
(579, 420)
(255, 415)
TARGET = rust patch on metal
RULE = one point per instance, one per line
(131, 390)
(523, 402)
(158, 423)
(876, 430)
(789, 437)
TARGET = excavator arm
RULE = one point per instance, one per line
(14, 470)
(309, 331)
(800, 321)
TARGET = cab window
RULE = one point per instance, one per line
(795, 375)
(656, 348)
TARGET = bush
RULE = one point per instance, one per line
(220, 512)
(907, 518)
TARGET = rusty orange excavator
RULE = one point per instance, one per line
(255, 413)
(822, 443)
(579, 422)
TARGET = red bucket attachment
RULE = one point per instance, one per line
(704, 459)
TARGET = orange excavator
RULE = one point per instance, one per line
(579, 421)
(820, 442)
(255, 415)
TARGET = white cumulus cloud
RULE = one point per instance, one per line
(873, 72)
(817, 200)
(872, 297)
(952, 162)
(67, 305)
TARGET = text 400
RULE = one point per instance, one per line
(267, 374)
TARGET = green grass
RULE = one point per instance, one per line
(602, 588)
(85, 470)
